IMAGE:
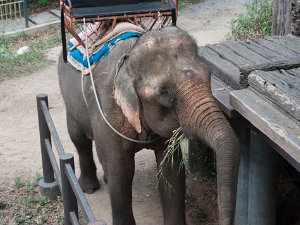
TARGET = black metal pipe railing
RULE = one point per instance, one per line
(79, 194)
(25, 13)
(70, 201)
(53, 163)
(52, 129)
(74, 219)
(44, 134)
(65, 172)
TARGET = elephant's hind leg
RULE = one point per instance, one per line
(88, 178)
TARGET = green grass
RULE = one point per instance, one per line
(23, 205)
(18, 182)
(12, 64)
(38, 3)
(256, 22)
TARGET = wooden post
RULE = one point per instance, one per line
(282, 17)
(243, 186)
(262, 182)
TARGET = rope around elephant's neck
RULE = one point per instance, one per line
(119, 64)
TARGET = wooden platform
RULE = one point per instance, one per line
(233, 61)
(259, 83)
(282, 87)
(280, 128)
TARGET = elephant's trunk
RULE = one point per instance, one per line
(201, 119)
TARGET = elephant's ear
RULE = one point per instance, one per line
(126, 97)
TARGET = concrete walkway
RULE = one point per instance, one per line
(37, 22)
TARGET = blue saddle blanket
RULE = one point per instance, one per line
(99, 53)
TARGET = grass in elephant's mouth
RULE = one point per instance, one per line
(173, 147)
(204, 164)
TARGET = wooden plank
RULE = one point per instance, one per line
(226, 53)
(225, 70)
(257, 60)
(286, 64)
(280, 81)
(246, 53)
(279, 127)
(221, 93)
(291, 79)
(280, 49)
(259, 49)
(274, 93)
(296, 72)
(289, 42)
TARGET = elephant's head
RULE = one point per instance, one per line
(164, 85)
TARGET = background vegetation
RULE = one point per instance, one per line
(256, 22)
(38, 3)
(12, 64)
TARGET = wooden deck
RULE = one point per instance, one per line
(233, 61)
(257, 83)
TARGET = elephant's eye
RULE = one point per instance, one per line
(164, 91)
(165, 97)
(189, 72)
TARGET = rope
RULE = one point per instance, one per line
(96, 96)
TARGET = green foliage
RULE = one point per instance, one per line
(20, 219)
(255, 23)
(27, 201)
(39, 3)
(18, 182)
(43, 200)
(13, 64)
(37, 178)
(23, 205)
(173, 147)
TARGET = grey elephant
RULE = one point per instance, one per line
(160, 85)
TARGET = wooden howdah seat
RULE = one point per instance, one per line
(145, 13)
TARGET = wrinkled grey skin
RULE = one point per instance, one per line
(162, 85)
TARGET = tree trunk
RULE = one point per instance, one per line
(281, 19)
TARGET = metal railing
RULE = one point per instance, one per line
(64, 173)
(11, 9)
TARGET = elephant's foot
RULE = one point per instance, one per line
(89, 184)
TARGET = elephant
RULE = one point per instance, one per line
(148, 87)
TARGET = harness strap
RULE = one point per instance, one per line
(118, 67)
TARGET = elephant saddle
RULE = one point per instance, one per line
(78, 55)
(103, 16)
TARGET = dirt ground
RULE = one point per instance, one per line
(20, 156)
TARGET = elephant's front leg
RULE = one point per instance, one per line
(88, 178)
(172, 189)
(120, 172)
